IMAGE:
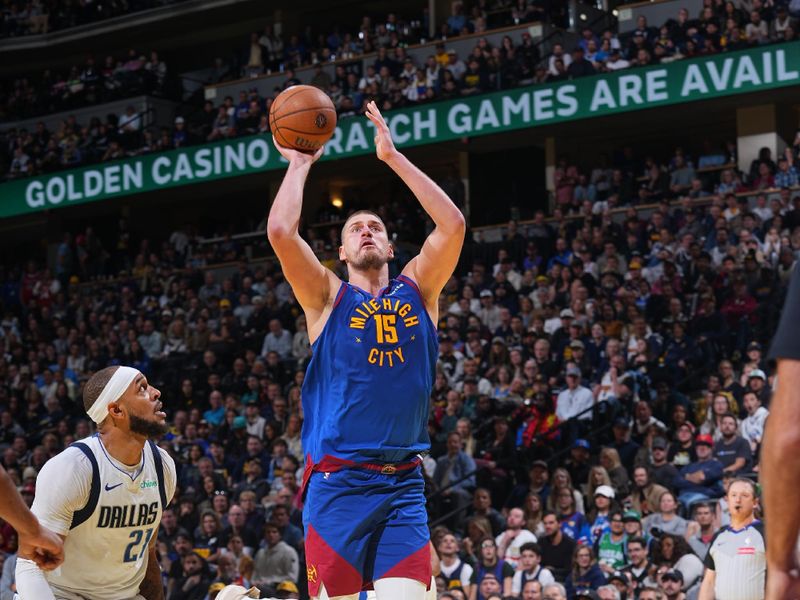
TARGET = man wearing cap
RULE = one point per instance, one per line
(700, 480)
(622, 583)
(105, 495)
(757, 382)
(489, 312)
(671, 584)
(603, 496)
(579, 463)
(632, 522)
(574, 401)
(610, 548)
(538, 475)
(560, 338)
(662, 471)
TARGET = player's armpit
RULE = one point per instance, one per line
(152, 588)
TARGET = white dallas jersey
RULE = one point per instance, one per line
(106, 554)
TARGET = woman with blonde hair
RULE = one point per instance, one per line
(562, 479)
(609, 459)
(477, 529)
(597, 476)
(533, 514)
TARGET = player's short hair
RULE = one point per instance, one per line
(94, 387)
(355, 214)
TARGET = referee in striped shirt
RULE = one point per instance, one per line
(736, 563)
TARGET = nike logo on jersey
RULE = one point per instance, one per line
(108, 489)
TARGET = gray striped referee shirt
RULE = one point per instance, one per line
(739, 559)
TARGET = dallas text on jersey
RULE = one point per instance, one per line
(131, 515)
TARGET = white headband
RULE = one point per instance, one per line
(112, 392)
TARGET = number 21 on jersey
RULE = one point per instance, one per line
(132, 551)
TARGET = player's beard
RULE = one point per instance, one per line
(364, 261)
(149, 429)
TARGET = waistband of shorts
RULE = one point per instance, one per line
(331, 464)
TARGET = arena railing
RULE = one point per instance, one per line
(591, 435)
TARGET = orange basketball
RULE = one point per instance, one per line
(302, 117)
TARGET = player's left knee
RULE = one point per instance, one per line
(400, 588)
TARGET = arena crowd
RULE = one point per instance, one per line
(589, 368)
(393, 80)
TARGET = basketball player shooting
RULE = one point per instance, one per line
(104, 496)
(367, 388)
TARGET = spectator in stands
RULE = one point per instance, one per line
(732, 450)
(276, 561)
(585, 574)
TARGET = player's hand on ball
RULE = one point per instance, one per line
(384, 146)
(295, 156)
(43, 547)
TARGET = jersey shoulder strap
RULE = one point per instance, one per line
(162, 492)
(82, 515)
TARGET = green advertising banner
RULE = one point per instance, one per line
(757, 69)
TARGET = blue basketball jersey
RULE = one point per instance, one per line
(367, 389)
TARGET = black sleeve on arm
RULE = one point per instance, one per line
(786, 343)
(709, 560)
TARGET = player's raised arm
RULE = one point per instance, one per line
(439, 255)
(310, 281)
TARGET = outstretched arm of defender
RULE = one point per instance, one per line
(310, 281)
(439, 255)
(35, 542)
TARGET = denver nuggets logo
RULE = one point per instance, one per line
(321, 120)
(311, 571)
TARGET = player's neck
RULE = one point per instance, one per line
(124, 446)
(371, 281)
